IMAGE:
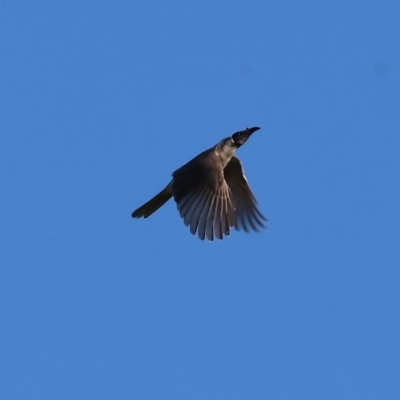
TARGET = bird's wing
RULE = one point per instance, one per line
(247, 214)
(203, 198)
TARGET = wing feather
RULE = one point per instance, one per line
(247, 215)
(203, 198)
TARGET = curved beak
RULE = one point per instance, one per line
(252, 130)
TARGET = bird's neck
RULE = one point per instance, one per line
(225, 153)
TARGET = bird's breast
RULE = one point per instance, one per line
(225, 155)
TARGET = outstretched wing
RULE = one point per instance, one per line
(203, 198)
(247, 214)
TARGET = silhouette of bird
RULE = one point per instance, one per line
(211, 192)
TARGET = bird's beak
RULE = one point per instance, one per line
(241, 137)
(252, 130)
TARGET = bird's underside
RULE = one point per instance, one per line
(211, 193)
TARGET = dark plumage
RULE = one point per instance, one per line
(211, 192)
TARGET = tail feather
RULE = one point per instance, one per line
(154, 204)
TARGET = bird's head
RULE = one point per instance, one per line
(241, 137)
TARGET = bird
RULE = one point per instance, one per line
(211, 192)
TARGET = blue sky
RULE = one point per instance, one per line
(100, 102)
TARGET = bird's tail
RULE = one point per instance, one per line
(154, 204)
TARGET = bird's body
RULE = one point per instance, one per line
(211, 192)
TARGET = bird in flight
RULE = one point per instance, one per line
(211, 192)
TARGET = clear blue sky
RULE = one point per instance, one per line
(100, 102)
